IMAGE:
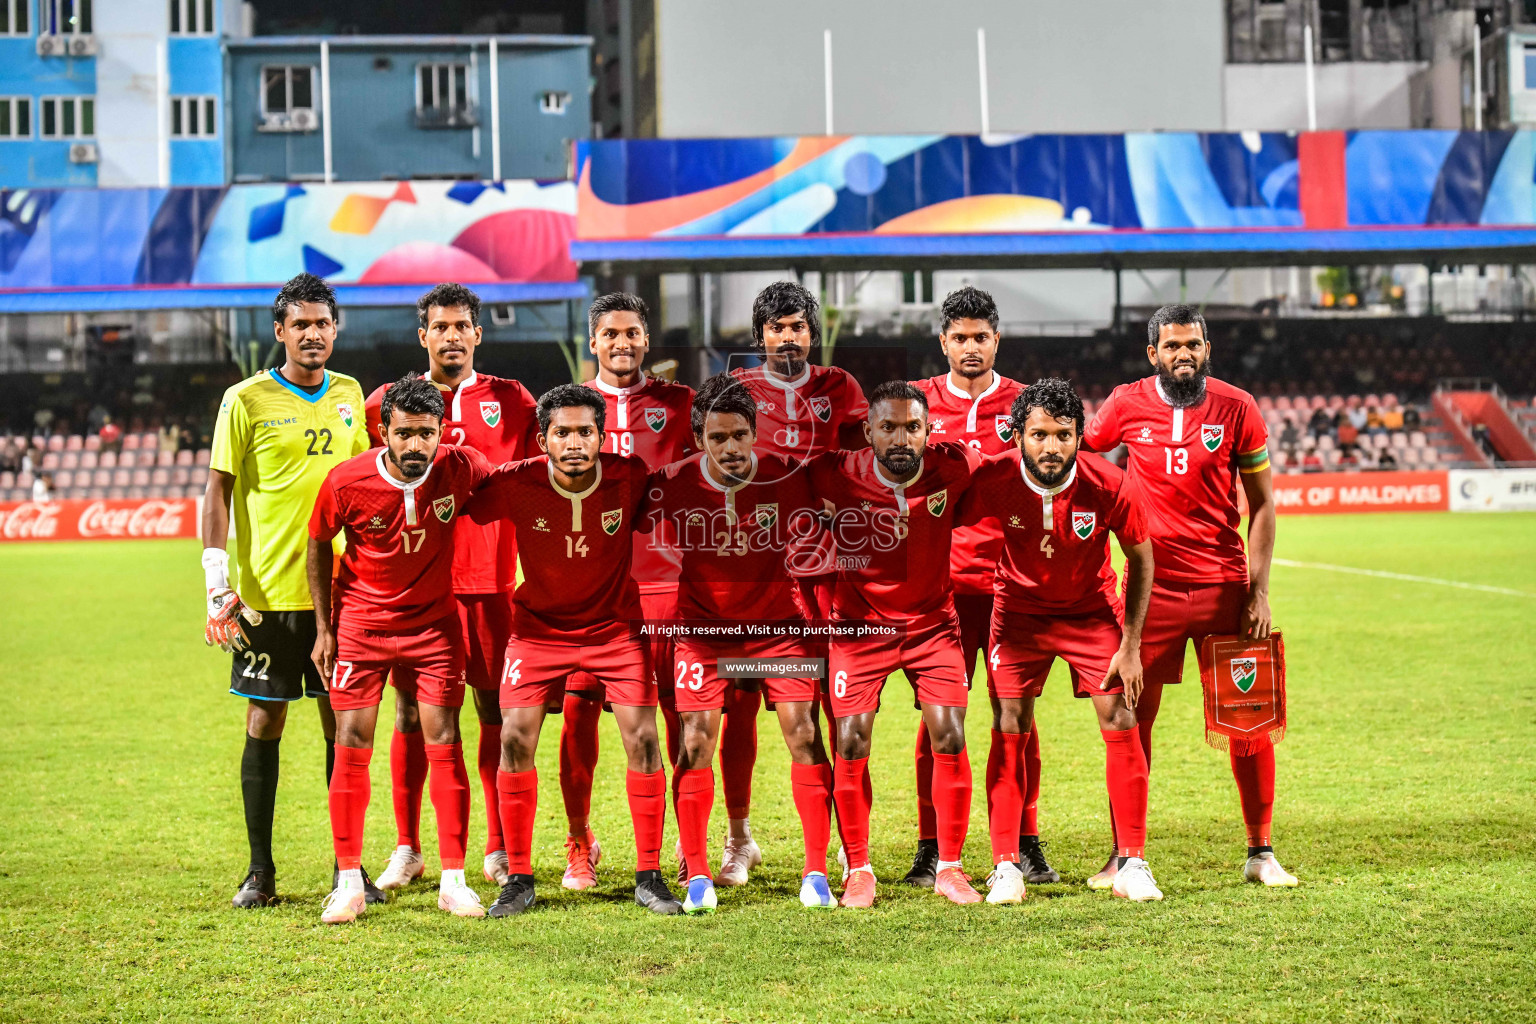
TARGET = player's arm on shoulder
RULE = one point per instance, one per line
(491, 498)
(1259, 488)
(1126, 664)
(371, 416)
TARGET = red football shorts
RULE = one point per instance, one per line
(425, 663)
(486, 620)
(928, 652)
(654, 607)
(1025, 646)
(975, 612)
(698, 687)
(1180, 612)
(536, 673)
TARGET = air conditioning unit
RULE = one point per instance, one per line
(65, 45)
(277, 121)
(303, 119)
(503, 314)
(83, 153)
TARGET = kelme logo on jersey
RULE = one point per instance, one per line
(443, 508)
(1245, 672)
(611, 521)
(656, 419)
(1210, 435)
(936, 425)
(1004, 425)
(491, 413)
(1082, 524)
(345, 412)
(766, 515)
(822, 408)
(936, 502)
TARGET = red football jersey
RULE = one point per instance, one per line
(982, 423)
(397, 572)
(1055, 554)
(893, 539)
(499, 419)
(651, 421)
(802, 418)
(733, 540)
(576, 548)
(1185, 462)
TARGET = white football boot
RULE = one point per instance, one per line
(1006, 884)
(496, 868)
(738, 859)
(1134, 882)
(1264, 868)
(405, 866)
(455, 896)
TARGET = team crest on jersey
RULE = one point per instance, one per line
(936, 426)
(1082, 524)
(1004, 427)
(1245, 672)
(822, 408)
(656, 419)
(611, 521)
(936, 502)
(491, 413)
(766, 515)
(1210, 435)
(345, 412)
(443, 508)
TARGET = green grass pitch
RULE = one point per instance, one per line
(1405, 805)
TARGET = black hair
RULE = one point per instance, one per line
(447, 295)
(899, 391)
(1056, 396)
(1175, 313)
(784, 298)
(617, 302)
(570, 396)
(302, 288)
(968, 303)
(723, 394)
(412, 394)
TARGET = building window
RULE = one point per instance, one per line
(64, 17)
(1530, 67)
(191, 17)
(14, 17)
(15, 117)
(194, 117)
(67, 117)
(288, 98)
(442, 96)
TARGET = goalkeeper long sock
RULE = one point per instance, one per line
(258, 789)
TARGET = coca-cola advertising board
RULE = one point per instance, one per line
(98, 520)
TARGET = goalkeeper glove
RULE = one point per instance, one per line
(225, 610)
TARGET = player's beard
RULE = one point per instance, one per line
(410, 466)
(1184, 393)
(788, 361)
(971, 372)
(1052, 478)
(900, 461)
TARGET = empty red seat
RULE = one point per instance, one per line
(108, 460)
(122, 477)
(101, 478)
(74, 443)
(180, 476)
(93, 443)
(140, 478)
(130, 442)
(62, 479)
(51, 460)
(89, 460)
(184, 457)
(160, 477)
(56, 443)
(203, 457)
(165, 458)
(70, 460)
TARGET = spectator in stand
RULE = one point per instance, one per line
(10, 456)
(1391, 413)
(1290, 437)
(1355, 413)
(1373, 424)
(1349, 458)
(111, 436)
(1311, 462)
(42, 487)
(1320, 423)
(1387, 460)
(1348, 436)
(1411, 419)
(186, 440)
(96, 418)
(42, 421)
(1480, 435)
(169, 437)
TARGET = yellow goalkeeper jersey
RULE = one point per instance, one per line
(279, 442)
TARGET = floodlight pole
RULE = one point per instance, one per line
(325, 105)
(1306, 46)
(495, 113)
(981, 69)
(1477, 77)
(826, 49)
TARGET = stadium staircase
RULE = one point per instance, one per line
(1481, 402)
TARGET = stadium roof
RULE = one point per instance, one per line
(88, 300)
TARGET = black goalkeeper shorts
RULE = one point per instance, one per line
(277, 666)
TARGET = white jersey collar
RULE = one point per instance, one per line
(404, 485)
(456, 413)
(1047, 492)
(949, 382)
(792, 383)
(609, 389)
(717, 485)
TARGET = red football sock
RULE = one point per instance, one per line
(1255, 775)
(489, 758)
(519, 797)
(1030, 825)
(578, 759)
(812, 787)
(952, 801)
(693, 796)
(648, 810)
(927, 824)
(1146, 713)
(450, 802)
(1006, 786)
(738, 751)
(408, 775)
(1125, 776)
(853, 794)
(350, 790)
